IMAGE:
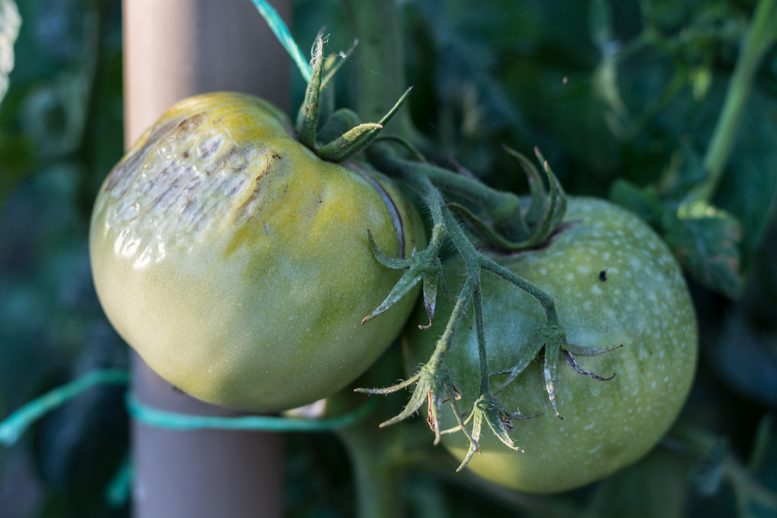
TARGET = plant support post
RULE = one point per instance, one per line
(174, 49)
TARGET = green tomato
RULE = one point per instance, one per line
(238, 264)
(614, 283)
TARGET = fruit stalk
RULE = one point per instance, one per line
(379, 485)
(380, 80)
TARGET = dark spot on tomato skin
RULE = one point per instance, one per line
(191, 123)
(603, 275)
(226, 157)
(276, 156)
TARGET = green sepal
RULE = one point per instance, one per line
(430, 382)
(474, 445)
(404, 143)
(350, 142)
(536, 187)
(407, 282)
(389, 262)
(556, 204)
(555, 338)
(424, 265)
(431, 281)
(338, 123)
(544, 215)
(498, 421)
(415, 273)
(307, 121)
(357, 138)
(334, 63)
(526, 354)
(397, 105)
(481, 228)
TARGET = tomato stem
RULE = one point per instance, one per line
(504, 208)
(380, 75)
(762, 33)
(378, 482)
(377, 475)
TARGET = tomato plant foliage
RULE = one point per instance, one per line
(632, 96)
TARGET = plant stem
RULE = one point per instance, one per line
(380, 81)
(502, 206)
(379, 486)
(762, 33)
(379, 64)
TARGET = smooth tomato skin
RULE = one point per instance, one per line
(641, 301)
(237, 263)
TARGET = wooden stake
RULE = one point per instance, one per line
(174, 49)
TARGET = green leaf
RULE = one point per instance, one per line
(431, 281)
(307, 119)
(10, 21)
(706, 242)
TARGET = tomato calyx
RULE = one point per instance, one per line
(523, 229)
(500, 422)
(345, 134)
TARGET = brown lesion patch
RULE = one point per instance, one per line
(190, 124)
(244, 210)
(241, 212)
(231, 155)
(137, 155)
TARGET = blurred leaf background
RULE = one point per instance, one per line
(621, 96)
